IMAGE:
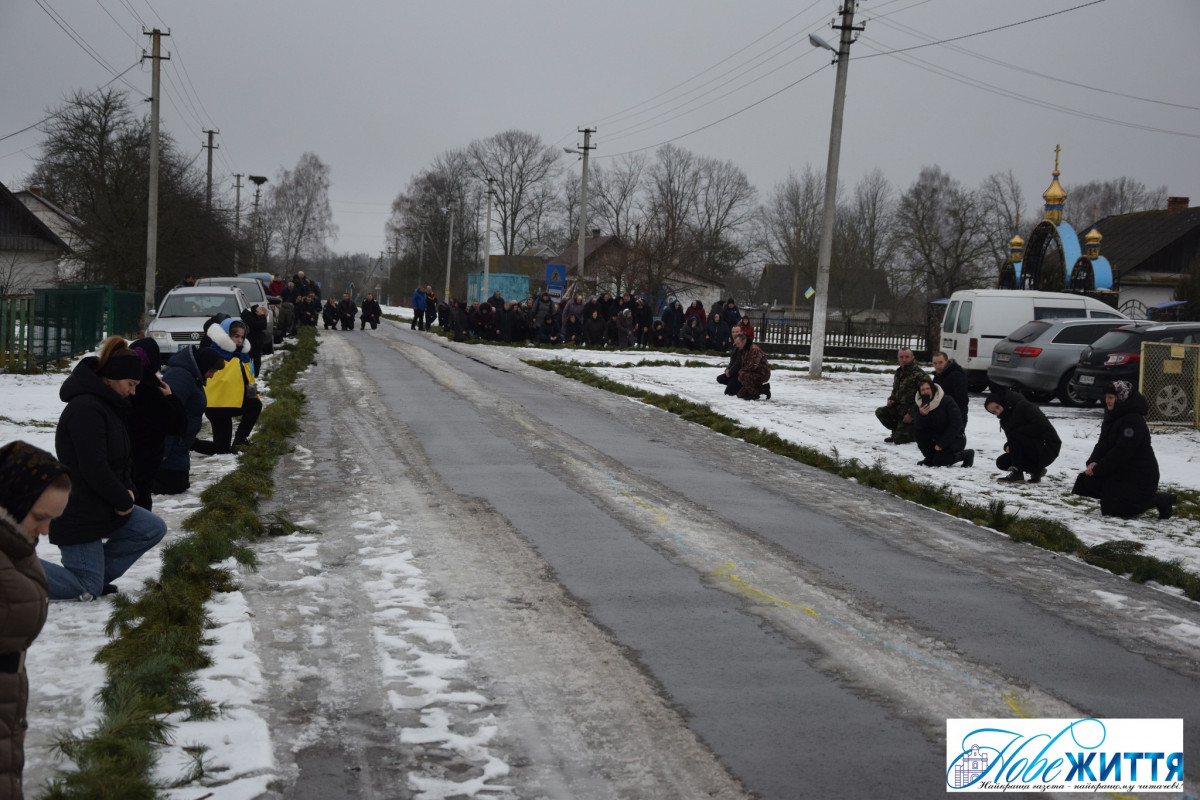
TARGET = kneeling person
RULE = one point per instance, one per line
(938, 426)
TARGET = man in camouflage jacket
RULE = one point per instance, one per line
(896, 416)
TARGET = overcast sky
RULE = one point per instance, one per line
(378, 88)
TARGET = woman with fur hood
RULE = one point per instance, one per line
(1122, 472)
(231, 392)
(34, 487)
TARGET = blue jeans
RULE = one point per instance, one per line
(87, 567)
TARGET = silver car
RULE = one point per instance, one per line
(1039, 358)
(256, 293)
(179, 320)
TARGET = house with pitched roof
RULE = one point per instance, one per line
(31, 253)
(1152, 253)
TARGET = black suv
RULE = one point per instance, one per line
(1117, 356)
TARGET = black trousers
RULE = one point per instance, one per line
(1028, 455)
(221, 420)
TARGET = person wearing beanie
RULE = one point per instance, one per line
(102, 532)
(186, 374)
(1122, 472)
(34, 488)
(231, 392)
(154, 412)
(1032, 443)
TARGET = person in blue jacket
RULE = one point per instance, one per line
(419, 299)
(187, 372)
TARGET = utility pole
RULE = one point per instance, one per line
(449, 252)
(587, 146)
(237, 220)
(487, 242)
(152, 208)
(821, 304)
(210, 147)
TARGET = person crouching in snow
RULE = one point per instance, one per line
(187, 373)
(753, 375)
(938, 426)
(1122, 472)
(231, 392)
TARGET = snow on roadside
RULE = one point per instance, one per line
(836, 414)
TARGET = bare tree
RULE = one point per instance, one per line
(1002, 202)
(943, 237)
(298, 213)
(724, 208)
(865, 247)
(1121, 195)
(788, 229)
(521, 166)
(613, 193)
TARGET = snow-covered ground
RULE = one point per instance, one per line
(832, 414)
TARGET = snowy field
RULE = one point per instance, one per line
(832, 414)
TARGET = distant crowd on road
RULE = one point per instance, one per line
(1121, 471)
(599, 321)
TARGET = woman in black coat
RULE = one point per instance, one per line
(1032, 443)
(155, 413)
(1122, 472)
(595, 329)
(102, 532)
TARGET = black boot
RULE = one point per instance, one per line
(1166, 505)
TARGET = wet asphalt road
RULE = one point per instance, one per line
(643, 518)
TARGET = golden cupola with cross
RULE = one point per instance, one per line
(1055, 196)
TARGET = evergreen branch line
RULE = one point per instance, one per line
(158, 638)
(1120, 557)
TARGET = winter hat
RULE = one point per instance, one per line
(25, 472)
(207, 359)
(1119, 389)
(147, 350)
(994, 397)
(122, 365)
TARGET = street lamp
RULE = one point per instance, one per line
(258, 181)
(821, 305)
(583, 151)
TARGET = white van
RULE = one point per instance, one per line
(978, 318)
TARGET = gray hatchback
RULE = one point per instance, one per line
(1039, 358)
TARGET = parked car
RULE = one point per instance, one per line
(256, 293)
(976, 319)
(1039, 358)
(178, 322)
(1117, 356)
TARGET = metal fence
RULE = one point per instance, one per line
(853, 339)
(16, 332)
(54, 325)
(1169, 379)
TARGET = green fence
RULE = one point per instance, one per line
(16, 332)
(57, 324)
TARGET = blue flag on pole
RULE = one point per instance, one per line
(809, 292)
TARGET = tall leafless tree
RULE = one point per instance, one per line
(1002, 202)
(788, 229)
(522, 168)
(613, 191)
(943, 235)
(1123, 195)
(298, 213)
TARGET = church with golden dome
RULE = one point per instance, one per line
(1053, 259)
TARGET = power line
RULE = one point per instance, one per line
(57, 113)
(623, 113)
(722, 119)
(998, 62)
(987, 87)
(981, 33)
(81, 42)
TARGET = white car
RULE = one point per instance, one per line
(256, 293)
(179, 320)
